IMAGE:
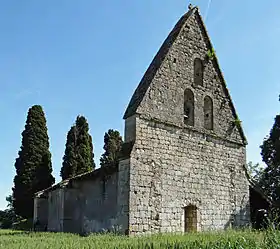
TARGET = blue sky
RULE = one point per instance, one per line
(87, 57)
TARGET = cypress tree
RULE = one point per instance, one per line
(78, 157)
(112, 146)
(69, 165)
(84, 147)
(92, 154)
(33, 165)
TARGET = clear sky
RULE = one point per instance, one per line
(87, 57)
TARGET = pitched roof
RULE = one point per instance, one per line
(91, 175)
(255, 186)
(159, 58)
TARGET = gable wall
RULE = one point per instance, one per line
(164, 99)
(173, 165)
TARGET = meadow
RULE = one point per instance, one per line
(269, 239)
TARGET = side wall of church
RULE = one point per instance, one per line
(55, 210)
(40, 218)
(88, 205)
(100, 204)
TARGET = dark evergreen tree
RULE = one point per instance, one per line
(7, 218)
(84, 147)
(78, 157)
(33, 165)
(112, 146)
(69, 164)
(92, 154)
(270, 151)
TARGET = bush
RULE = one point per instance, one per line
(7, 218)
(25, 225)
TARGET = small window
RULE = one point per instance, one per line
(198, 72)
(208, 113)
(189, 107)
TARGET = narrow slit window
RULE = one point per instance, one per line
(208, 113)
(189, 107)
(198, 72)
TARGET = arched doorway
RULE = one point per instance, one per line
(190, 214)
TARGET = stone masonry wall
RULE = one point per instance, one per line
(123, 196)
(55, 210)
(172, 168)
(105, 203)
(164, 99)
(72, 211)
(89, 205)
(40, 218)
(174, 165)
(99, 204)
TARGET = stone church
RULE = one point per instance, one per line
(183, 160)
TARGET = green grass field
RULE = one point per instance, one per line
(216, 240)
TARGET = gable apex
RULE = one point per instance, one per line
(158, 60)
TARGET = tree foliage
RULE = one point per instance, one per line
(255, 171)
(69, 164)
(270, 151)
(7, 218)
(33, 165)
(84, 147)
(112, 146)
(78, 157)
